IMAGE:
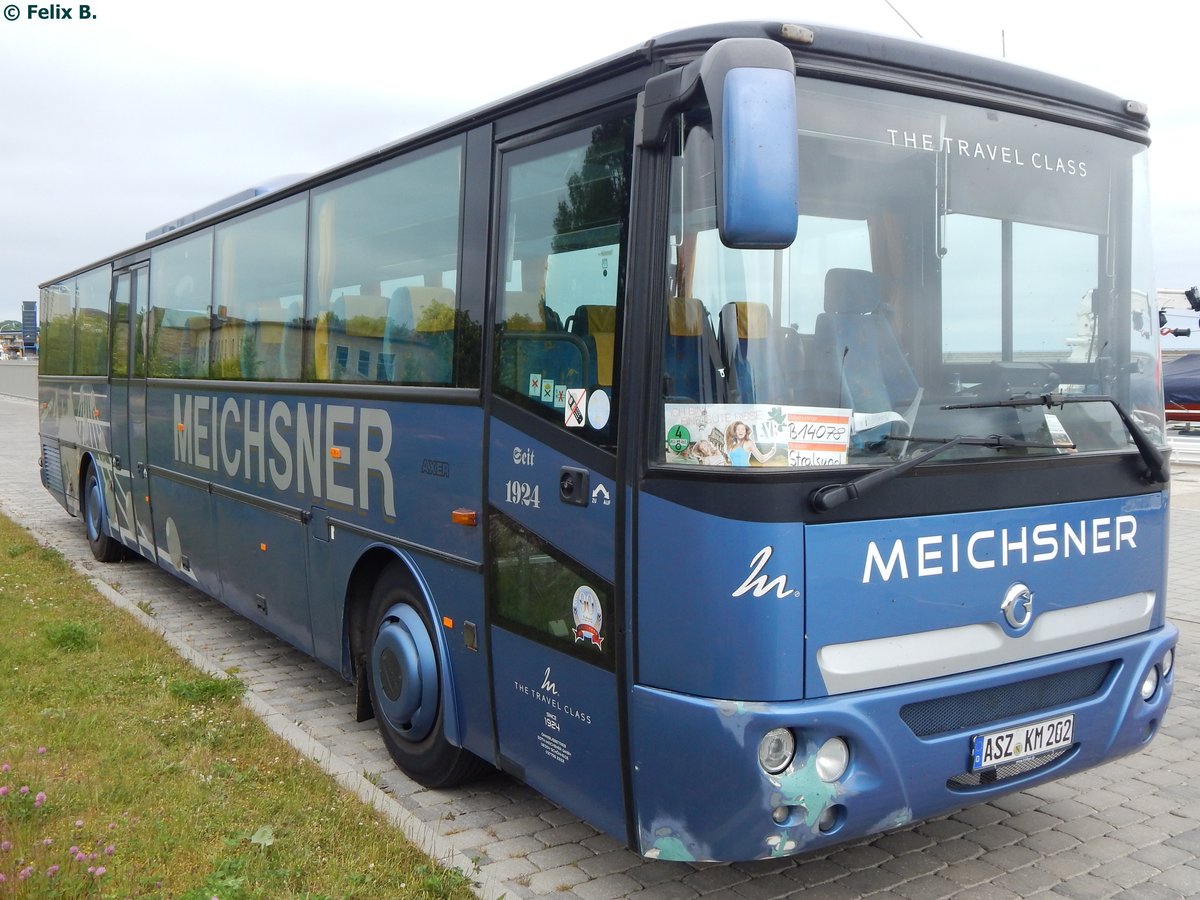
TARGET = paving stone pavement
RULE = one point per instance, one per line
(1130, 829)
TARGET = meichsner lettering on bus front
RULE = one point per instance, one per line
(940, 554)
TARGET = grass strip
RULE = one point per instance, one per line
(126, 772)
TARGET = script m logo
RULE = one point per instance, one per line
(759, 584)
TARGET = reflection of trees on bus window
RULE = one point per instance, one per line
(180, 300)
(258, 294)
(377, 301)
(56, 344)
(383, 276)
(75, 325)
(598, 191)
(92, 322)
(565, 205)
(532, 589)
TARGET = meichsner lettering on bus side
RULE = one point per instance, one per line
(294, 448)
(940, 554)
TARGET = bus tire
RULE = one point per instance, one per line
(104, 547)
(404, 680)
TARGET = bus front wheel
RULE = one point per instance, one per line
(404, 680)
(104, 548)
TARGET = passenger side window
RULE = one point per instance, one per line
(565, 207)
(75, 325)
(92, 322)
(259, 295)
(181, 301)
(121, 311)
(383, 274)
(57, 343)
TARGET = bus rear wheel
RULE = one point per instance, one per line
(404, 680)
(104, 548)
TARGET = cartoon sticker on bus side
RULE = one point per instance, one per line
(733, 434)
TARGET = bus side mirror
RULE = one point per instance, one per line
(751, 90)
(757, 160)
(750, 86)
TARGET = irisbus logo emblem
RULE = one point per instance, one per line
(760, 584)
(1017, 607)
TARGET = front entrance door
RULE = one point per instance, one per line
(556, 620)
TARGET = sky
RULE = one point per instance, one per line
(139, 111)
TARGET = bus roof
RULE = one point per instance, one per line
(836, 51)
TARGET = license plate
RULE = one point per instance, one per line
(1000, 747)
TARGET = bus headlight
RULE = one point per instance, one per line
(832, 759)
(1168, 662)
(776, 750)
(1150, 684)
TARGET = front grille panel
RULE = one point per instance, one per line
(988, 777)
(974, 708)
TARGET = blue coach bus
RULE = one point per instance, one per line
(752, 441)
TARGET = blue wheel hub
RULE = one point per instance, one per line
(95, 509)
(404, 671)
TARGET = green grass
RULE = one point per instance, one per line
(144, 777)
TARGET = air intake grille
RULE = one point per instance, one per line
(52, 468)
(964, 711)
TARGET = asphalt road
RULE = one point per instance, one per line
(1129, 829)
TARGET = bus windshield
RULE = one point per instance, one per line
(947, 256)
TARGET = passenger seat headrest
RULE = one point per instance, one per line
(851, 291)
(753, 320)
(601, 319)
(686, 317)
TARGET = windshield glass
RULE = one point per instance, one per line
(946, 255)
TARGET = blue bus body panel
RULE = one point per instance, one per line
(400, 468)
(1082, 583)
(585, 531)
(264, 568)
(73, 418)
(702, 794)
(185, 531)
(264, 480)
(720, 612)
(946, 577)
(558, 723)
(457, 593)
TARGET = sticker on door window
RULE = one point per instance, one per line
(576, 407)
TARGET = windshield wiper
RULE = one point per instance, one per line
(834, 495)
(1156, 464)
